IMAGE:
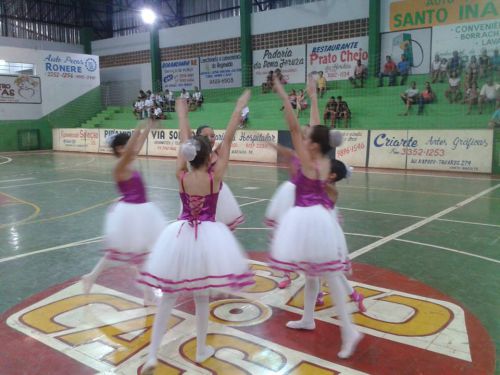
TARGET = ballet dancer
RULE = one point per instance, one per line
(196, 253)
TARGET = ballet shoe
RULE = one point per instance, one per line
(284, 283)
(349, 345)
(300, 324)
(87, 286)
(320, 301)
(149, 368)
(358, 298)
(203, 355)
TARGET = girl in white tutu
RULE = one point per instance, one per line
(228, 209)
(308, 238)
(196, 253)
(133, 224)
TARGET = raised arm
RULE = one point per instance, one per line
(293, 124)
(181, 108)
(224, 149)
(184, 133)
(133, 147)
(312, 92)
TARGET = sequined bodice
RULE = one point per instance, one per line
(133, 190)
(198, 208)
(311, 192)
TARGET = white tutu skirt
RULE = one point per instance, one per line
(190, 258)
(282, 200)
(228, 210)
(131, 230)
(309, 239)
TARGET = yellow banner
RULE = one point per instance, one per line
(416, 14)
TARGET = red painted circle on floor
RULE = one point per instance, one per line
(375, 355)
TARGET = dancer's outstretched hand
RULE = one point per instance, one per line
(278, 87)
(181, 107)
(243, 100)
(311, 86)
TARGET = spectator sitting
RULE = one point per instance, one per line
(245, 114)
(292, 98)
(157, 113)
(472, 71)
(443, 70)
(389, 71)
(329, 113)
(455, 65)
(148, 104)
(495, 119)
(428, 96)
(359, 74)
(342, 111)
(489, 94)
(138, 108)
(403, 69)
(495, 63)
(169, 100)
(321, 84)
(142, 94)
(268, 85)
(471, 97)
(280, 76)
(301, 102)
(185, 95)
(197, 97)
(453, 93)
(410, 97)
(436, 73)
(484, 64)
(160, 100)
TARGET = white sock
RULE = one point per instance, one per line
(311, 289)
(160, 325)
(350, 336)
(90, 278)
(346, 285)
(203, 352)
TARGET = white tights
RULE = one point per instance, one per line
(160, 326)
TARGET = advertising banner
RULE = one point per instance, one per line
(415, 45)
(70, 66)
(354, 148)
(468, 39)
(163, 142)
(20, 89)
(252, 145)
(180, 74)
(388, 148)
(222, 71)
(416, 14)
(290, 60)
(449, 150)
(104, 135)
(337, 59)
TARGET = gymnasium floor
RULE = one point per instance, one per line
(425, 249)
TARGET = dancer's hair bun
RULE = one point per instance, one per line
(189, 149)
(336, 138)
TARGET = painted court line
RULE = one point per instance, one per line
(449, 249)
(39, 183)
(419, 224)
(19, 179)
(6, 161)
(65, 246)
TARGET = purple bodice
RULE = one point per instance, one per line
(198, 208)
(309, 192)
(132, 190)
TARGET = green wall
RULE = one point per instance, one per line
(70, 115)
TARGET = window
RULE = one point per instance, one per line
(16, 68)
